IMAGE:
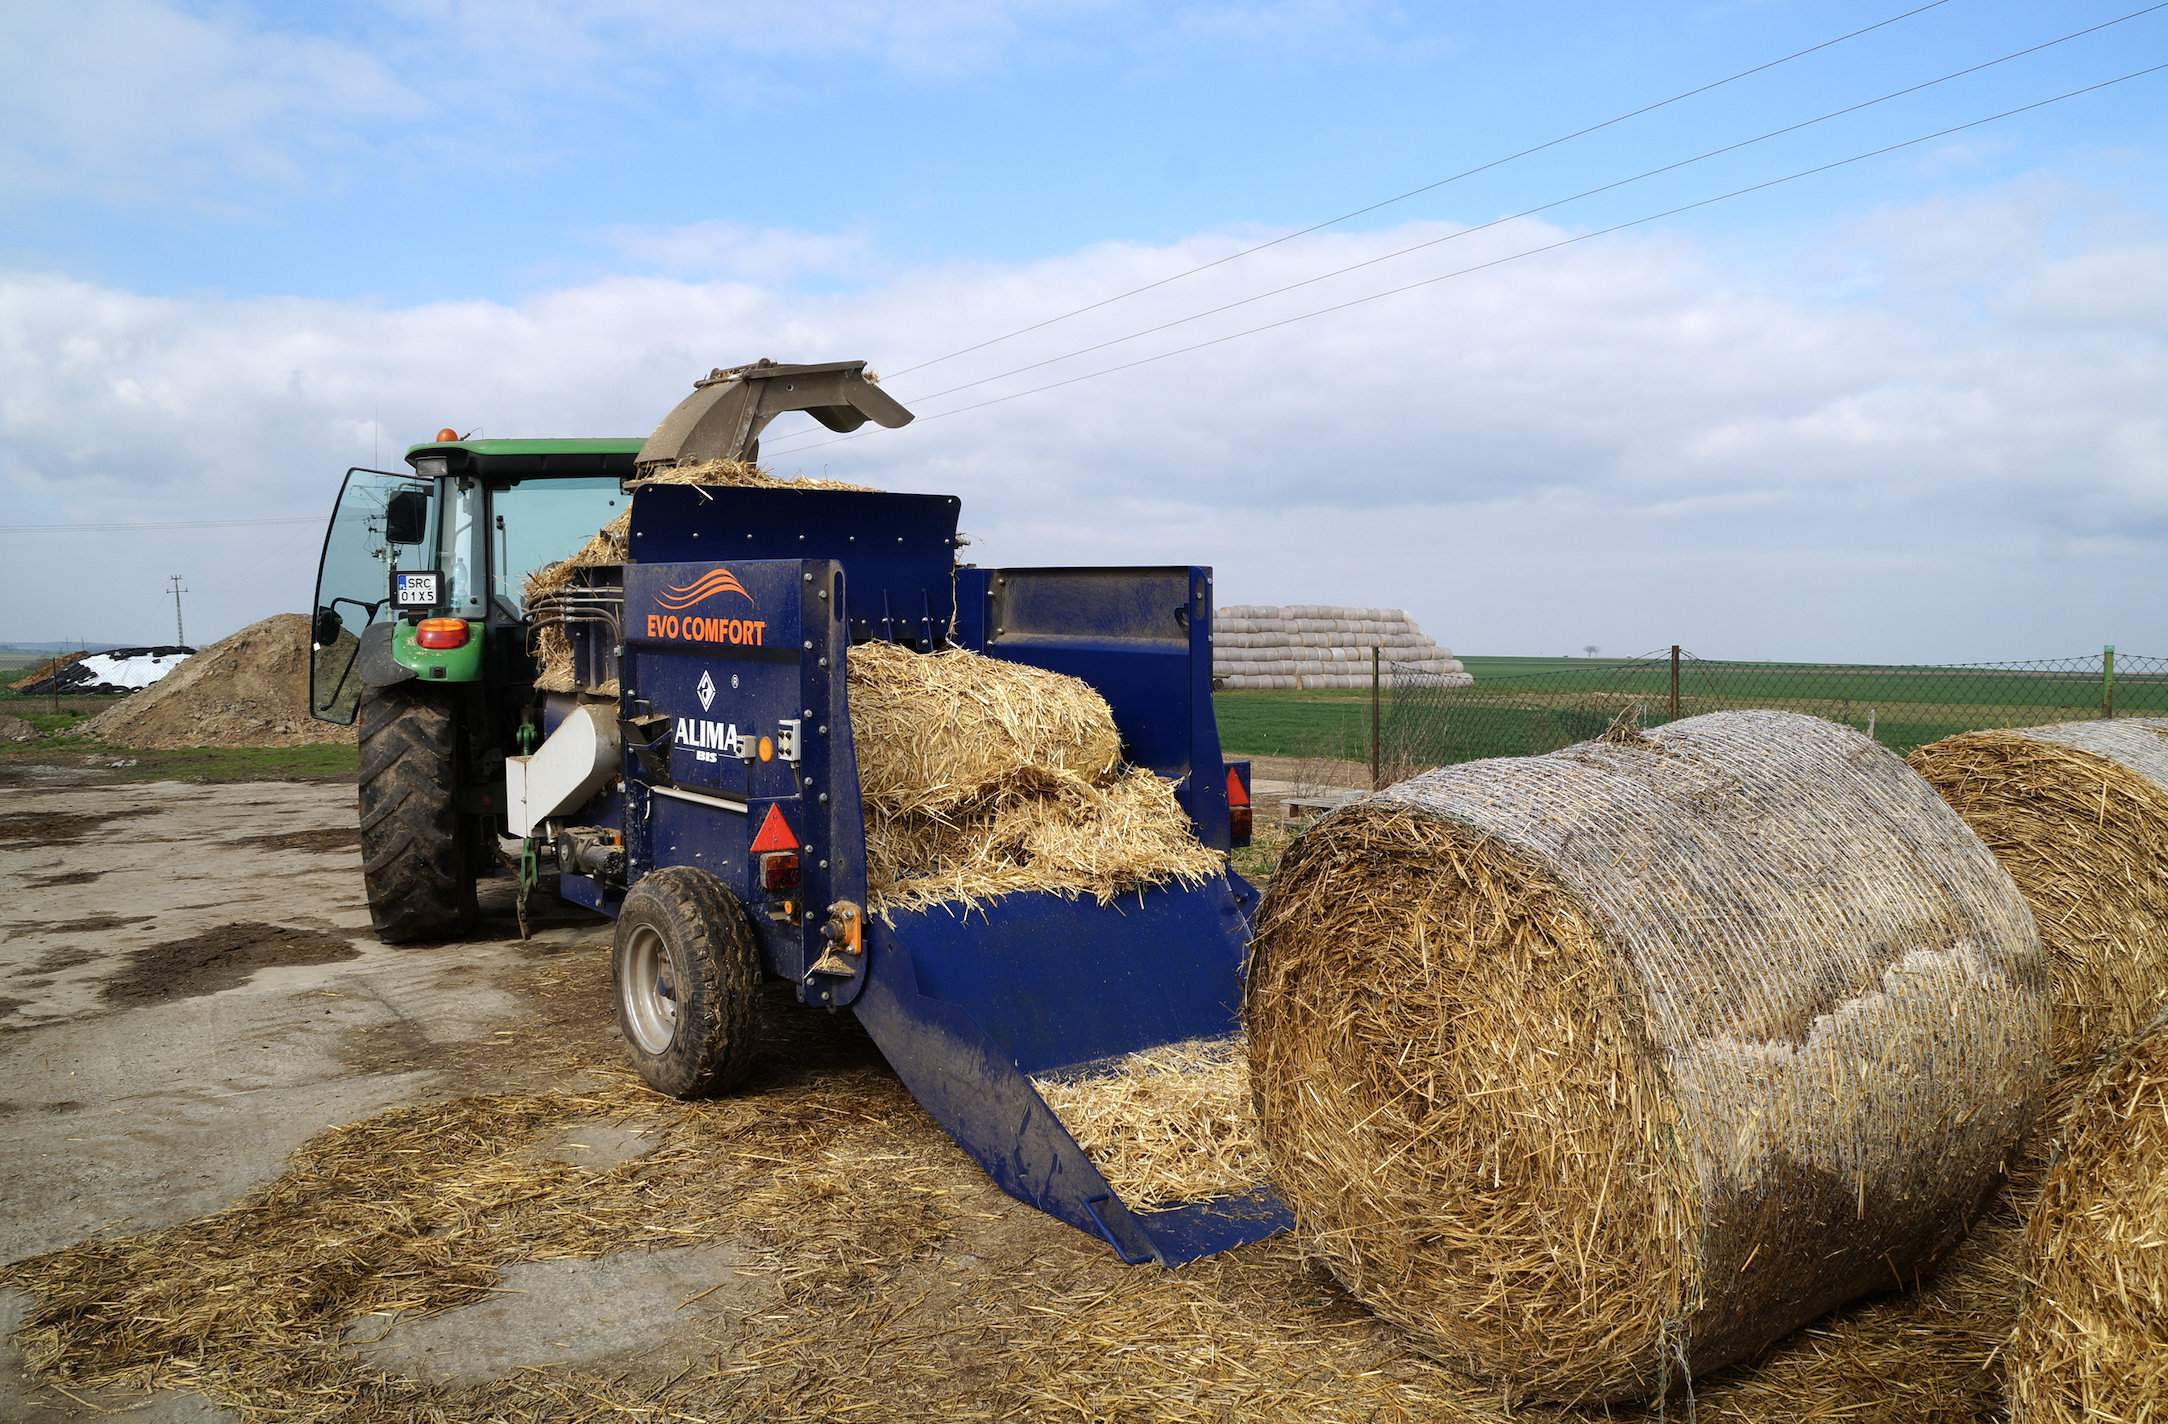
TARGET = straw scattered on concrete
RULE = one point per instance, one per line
(1603, 1067)
(2078, 815)
(418, 1209)
(1167, 1125)
(2091, 1342)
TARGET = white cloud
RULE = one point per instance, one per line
(1628, 443)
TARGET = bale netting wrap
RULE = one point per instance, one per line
(2078, 814)
(1603, 1067)
(2091, 1341)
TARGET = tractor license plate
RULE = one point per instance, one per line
(417, 589)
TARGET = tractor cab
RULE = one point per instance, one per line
(451, 541)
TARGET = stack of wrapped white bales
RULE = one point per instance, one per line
(1311, 646)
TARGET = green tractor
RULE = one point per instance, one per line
(421, 631)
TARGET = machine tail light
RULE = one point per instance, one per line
(441, 633)
(1238, 806)
(779, 872)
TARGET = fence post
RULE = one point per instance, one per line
(2107, 681)
(1674, 682)
(1375, 760)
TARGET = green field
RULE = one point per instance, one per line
(334, 761)
(1301, 724)
(1521, 706)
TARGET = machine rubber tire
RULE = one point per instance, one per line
(413, 850)
(683, 922)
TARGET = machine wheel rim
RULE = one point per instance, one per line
(645, 986)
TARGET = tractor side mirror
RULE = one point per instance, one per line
(328, 627)
(406, 517)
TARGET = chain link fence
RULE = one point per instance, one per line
(1426, 723)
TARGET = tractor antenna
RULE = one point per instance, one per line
(174, 583)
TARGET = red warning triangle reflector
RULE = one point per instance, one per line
(1237, 793)
(775, 834)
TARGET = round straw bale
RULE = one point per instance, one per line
(1598, 1068)
(2092, 1334)
(2078, 814)
(936, 732)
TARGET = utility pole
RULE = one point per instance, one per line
(174, 582)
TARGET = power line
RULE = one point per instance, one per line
(157, 524)
(1426, 188)
(1531, 212)
(1533, 251)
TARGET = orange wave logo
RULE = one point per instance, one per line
(676, 598)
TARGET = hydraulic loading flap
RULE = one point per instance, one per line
(970, 1007)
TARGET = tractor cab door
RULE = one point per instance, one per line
(383, 523)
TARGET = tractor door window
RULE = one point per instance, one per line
(382, 522)
(466, 510)
(538, 522)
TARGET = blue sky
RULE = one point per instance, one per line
(241, 246)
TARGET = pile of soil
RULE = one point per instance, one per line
(46, 669)
(251, 690)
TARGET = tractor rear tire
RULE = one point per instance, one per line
(685, 972)
(414, 859)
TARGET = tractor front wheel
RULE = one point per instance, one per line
(413, 849)
(685, 970)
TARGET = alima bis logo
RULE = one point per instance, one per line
(676, 621)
